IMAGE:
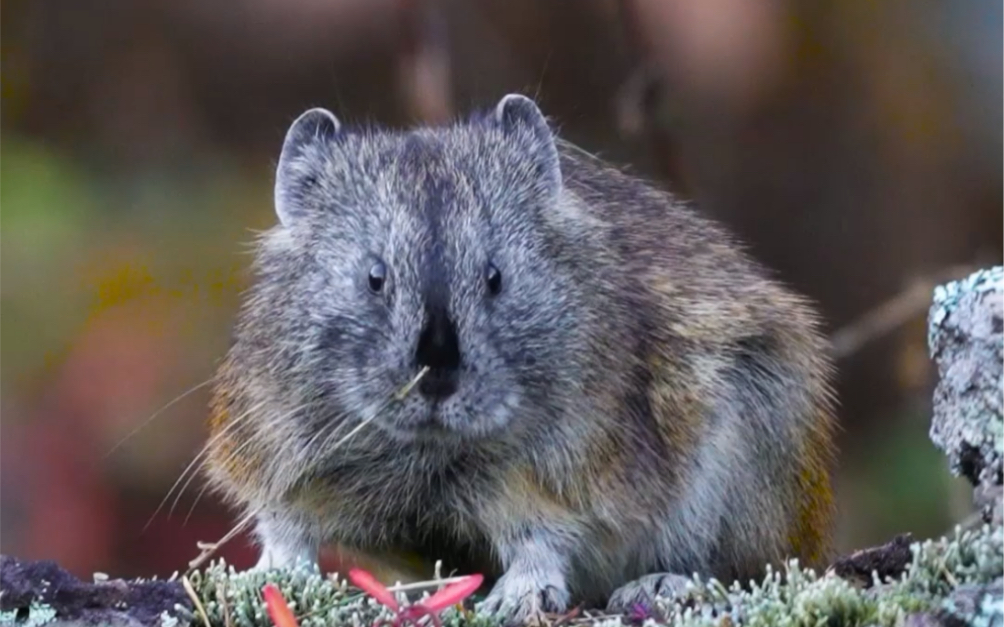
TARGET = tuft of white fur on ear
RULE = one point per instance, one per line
(516, 109)
(520, 118)
(312, 127)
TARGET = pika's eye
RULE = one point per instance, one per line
(494, 279)
(378, 276)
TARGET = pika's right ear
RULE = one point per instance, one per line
(313, 127)
(522, 120)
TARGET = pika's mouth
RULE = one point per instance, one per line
(431, 427)
(424, 422)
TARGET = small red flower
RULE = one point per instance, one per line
(451, 594)
(278, 611)
(369, 584)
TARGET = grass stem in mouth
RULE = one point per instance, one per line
(399, 396)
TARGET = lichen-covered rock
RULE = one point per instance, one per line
(989, 498)
(979, 605)
(40, 592)
(966, 339)
(968, 606)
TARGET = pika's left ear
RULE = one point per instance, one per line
(520, 118)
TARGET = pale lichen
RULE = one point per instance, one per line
(167, 620)
(792, 596)
(37, 614)
(798, 597)
(315, 599)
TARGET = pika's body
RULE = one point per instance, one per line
(616, 394)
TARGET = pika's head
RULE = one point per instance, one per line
(399, 251)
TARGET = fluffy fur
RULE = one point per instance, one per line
(638, 397)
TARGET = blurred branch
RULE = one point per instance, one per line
(643, 109)
(633, 19)
(424, 69)
(634, 99)
(892, 313)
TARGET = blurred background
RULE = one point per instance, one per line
(856, 145)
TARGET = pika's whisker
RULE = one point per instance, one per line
(326, 434)
(232, 455)
(354, 431)
(160, 411)
(205, 448)
(202, 463)
(191, 510)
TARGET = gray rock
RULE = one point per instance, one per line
(966, 339)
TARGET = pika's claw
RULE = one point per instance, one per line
(646, 589)
(524, 601)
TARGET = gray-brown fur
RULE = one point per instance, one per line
(639, 397)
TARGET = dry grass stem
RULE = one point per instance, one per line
(399, 396)
(421, 585)
(195, 600)
(209, 549)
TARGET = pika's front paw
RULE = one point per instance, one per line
(523, 600)
(646, 589)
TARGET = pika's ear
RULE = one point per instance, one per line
(314, 127)
(521, 118)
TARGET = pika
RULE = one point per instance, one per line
(616, 394)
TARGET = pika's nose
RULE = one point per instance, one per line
(439, 349)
